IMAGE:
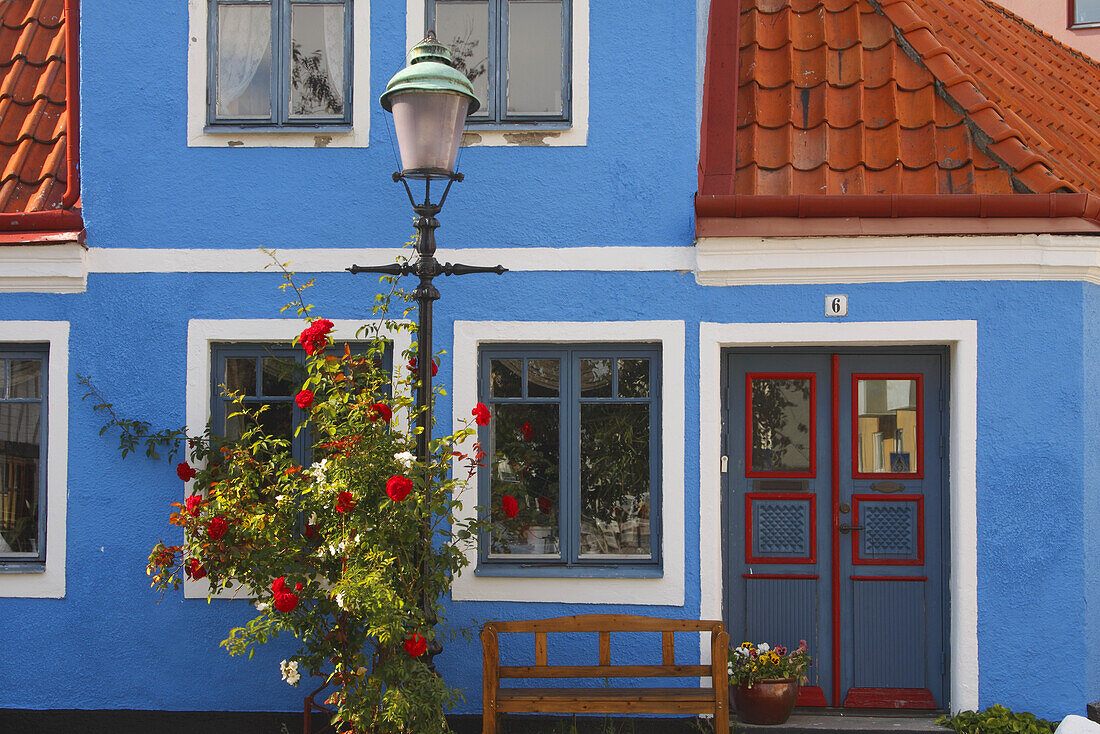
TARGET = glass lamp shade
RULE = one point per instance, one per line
(429, 128)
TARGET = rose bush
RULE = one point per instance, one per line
(350, 554)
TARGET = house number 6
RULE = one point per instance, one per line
(836, 305)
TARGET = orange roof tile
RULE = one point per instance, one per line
(33, 175)
(847, 97)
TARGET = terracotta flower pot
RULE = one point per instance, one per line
(766, 701)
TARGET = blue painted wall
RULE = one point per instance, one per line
(109, 644)
(1091, 433)
(144, 187)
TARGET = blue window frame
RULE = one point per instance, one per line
(571, 479)
(265, 374)
(517, 55)
(24, 374)
(279, 64)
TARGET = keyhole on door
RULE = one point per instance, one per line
(845, 507)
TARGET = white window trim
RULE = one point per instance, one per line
(357, 137)
(203, 333)
(574, 136)
(669, 588)
(962, 338)
(51, 583)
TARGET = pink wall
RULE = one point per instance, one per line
(1052, 16)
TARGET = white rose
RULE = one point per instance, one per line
(290, 672)
(405, 459)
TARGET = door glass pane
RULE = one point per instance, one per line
(240, 375)
(505, 378)
(523, 470)
(316, 60)
(464, 28)
(19, 455)
(595, 378)
(281, 377)
(542, 378)
(278, 421)
(26, 378)
(534, 57)
(780, 424)
(1086, 11)
(244, 61)
(887, 419)
(615, 499)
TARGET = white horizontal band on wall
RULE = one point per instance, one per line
(63, 268)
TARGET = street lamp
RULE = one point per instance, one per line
(429, 100)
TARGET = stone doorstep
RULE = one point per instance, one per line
(1094, 711)
(885, 723)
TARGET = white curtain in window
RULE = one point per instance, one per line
(334, 47)
(244, 35)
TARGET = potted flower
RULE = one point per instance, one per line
(764, 681)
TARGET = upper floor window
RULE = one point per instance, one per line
(516, 53)
(1084, 13)
(572, 475)
(23, 381)
(279, 63)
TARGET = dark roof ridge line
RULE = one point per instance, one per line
(788, 9)
(867, 124)
(825, 82)
(982, 138)
(790, 42)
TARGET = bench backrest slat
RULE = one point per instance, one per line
(605, 648)
(668, 649)
(606, 623)
(604, 671)
(540, 648)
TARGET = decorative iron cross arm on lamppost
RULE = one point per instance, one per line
(429, 100)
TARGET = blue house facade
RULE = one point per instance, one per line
(830, 269)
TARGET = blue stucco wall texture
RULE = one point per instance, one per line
(111, 644)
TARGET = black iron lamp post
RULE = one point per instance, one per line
(430, 100)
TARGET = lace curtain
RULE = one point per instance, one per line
(244, 41)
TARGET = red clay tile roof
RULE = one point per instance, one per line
(898, 97)
(32, 106)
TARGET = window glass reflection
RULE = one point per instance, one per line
(780, 424)
(887, 432)
(523, 469)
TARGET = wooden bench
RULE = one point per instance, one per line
(694, 700)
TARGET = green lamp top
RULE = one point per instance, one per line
(430, 70)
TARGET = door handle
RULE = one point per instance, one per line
(845, 529)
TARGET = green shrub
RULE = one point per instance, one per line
(997, 720)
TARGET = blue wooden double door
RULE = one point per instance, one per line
(834, 524)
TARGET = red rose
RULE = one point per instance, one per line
(414, 366)
(345, 502)
(185, 472)
(311, 531)
(544, 505)
(314, 338)
(380, 412)
(298, 586)
(194, 502)
(527, 431)
(286, 601)
(216, 528)
(480, 414)
(398, 488)
(304, 399)
(511, 507)
(278, 586)
(416, 645)
(195, 569)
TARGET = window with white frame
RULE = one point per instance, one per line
(572, 470)
(23, 388)
(268, 376)
(275, 64)
(1084, 13)
(516, 53)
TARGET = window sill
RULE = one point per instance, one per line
(548, 135)
(276, 130)
(520, 570)
(1085, 26)
(9, 567)
(250, 136)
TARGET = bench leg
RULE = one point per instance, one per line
(721, 719)
(489, 719)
